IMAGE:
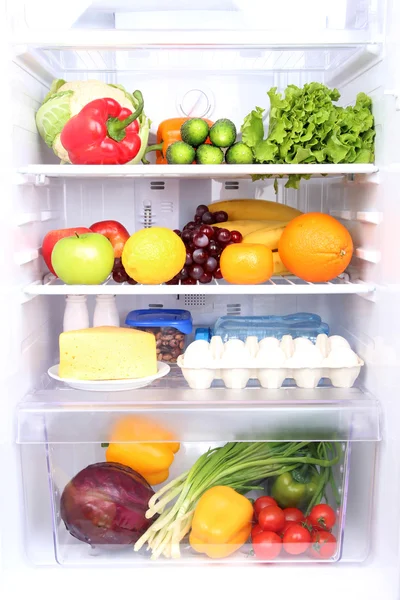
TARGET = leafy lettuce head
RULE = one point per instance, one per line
(65, 100)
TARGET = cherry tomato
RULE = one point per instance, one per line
(323, 544)
(263, 502)
(267, 545)
(322, 517)
(296, 539)
(256, 530)
(293, 515)
(271, 518)
(307, 524)
(286, 527)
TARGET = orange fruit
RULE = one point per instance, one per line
(154, 255)
(246, 263)
(315, 247)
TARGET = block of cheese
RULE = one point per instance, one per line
(103, 353)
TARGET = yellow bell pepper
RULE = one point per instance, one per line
(144, 446)
(221, 522)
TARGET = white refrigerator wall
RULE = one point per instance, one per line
(30, 326)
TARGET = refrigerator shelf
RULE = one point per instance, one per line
(67, 416)
(278, 285)
(40, 172)
(196, 38)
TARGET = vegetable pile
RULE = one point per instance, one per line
(184, 141)
(290, 530)
(66, 100)
(305, 126)
(239, 465)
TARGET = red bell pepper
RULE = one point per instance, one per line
(103, 133)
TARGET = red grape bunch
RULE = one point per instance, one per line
(120, 275)
(204, 242)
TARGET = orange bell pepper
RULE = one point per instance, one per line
(221, 522)
(169, 131)
(144, 446)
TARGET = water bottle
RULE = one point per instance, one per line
(105, 311)
(76, 314)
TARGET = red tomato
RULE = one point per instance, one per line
(293, 515)
(323, 544)
(296, 539)
(267, 545)
(271, 518)
(256, 530)
(263, 502)
(322, 517)
(307, 524)
(286, 527)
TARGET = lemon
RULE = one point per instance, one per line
(152, 256)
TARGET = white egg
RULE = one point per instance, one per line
(342, 357)
(269, 342)
(302, 343)
(197, 354)
(337, 341)
(270, 358)
(310, 358)
(235, 354)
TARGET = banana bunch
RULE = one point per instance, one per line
(255, 210)
(259, 222)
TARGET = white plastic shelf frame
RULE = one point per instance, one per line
(277, 285)
(190, 171)
(218, 50)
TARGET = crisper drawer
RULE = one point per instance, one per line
(323, 440)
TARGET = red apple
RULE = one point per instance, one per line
(113, 231)
(51, 238)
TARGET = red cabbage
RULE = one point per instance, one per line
(105, 503)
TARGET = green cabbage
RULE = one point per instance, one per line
(306, 127)
(65, 100)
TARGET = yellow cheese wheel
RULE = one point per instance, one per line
(103, 353)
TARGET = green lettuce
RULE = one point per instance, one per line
(305, 126)
(253, 127)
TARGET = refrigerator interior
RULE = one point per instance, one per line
(221, 81)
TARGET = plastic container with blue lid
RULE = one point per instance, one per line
(169, 327)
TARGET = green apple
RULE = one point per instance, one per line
(86, 259)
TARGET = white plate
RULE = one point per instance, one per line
(110, 385)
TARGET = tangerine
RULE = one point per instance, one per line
(315, 247)
(246, 263)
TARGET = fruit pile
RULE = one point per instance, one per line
(204, 242)
(204, 145)
(290, 530)
(245, 242)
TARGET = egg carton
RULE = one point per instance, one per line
(204, 362)
(269, 378)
